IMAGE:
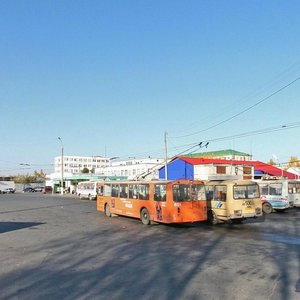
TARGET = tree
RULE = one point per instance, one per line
(271, 162)
(24, 179)
(40, 174)
(294, 162)
(85, 171)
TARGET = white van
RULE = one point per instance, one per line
(87, 190)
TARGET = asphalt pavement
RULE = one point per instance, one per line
(60, 247)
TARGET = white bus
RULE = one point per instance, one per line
(279, 194)
(87, 190)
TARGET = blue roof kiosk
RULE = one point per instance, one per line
(178, 169)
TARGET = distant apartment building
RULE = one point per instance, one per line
(146, 168)
(75, 164)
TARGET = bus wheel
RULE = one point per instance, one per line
(145, 218)
(212, 218)
(267, 208)
(90, 197)
(107, 210)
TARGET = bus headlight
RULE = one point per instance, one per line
(238, 213)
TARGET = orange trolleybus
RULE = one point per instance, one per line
(159, 201)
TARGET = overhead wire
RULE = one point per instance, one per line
(241, 112)
(249, 133)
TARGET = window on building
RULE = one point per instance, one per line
(247, 173)
(220, 169)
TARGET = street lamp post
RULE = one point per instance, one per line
(62, 167)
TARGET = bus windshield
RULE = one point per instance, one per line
(245, 191)
(186, 192)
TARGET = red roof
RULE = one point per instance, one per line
(258, 165)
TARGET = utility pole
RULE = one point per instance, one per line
(62, 167)
(166, 157)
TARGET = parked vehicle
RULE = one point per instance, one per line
(28, 189)
(38, 188)
(275, 195)
(177, 201)
(7, 191)
(48, 189)
(232, 200)
(7, 187)
(87, 190)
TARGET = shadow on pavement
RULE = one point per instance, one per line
(11, 226)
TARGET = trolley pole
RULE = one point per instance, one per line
(166, 157)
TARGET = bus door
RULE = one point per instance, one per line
(160, 199)
(120, 201)
(219, 203)
(100, 196)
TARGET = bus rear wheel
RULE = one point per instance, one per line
(267, 208)
(107, 210)
(212, 218)
(145, 218)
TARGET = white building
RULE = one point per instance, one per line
(134, 168)
(75, 164)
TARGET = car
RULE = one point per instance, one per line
(28, 189)
(47, 189)
(7, 191)
(38, 189)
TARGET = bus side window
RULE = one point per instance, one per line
(133, 194)
(220, 192)
(223, 197)
(160, 192)
(264, 189)
(123, 191)
(115, 190)
(107, 190)
(143, 191)
(157, 196)
(100, 190)
(209, 193)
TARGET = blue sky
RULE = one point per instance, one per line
(110, 77)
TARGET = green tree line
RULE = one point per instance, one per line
(38, 176)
